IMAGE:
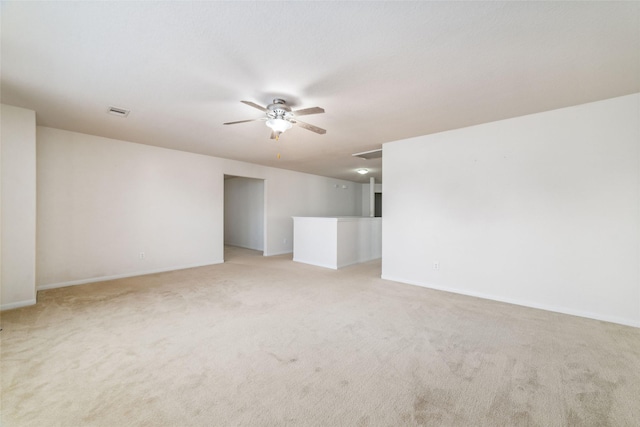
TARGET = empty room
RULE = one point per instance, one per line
(319, 213)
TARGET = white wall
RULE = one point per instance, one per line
(292, 194)
(336, 242)
(18, 207)
(244, 212)
(377, 188)
(540, 210)
(316, 241)
(359, 240)
(101, 202)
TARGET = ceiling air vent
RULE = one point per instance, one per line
(120, 112)
(373, 154)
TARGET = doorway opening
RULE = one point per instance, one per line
(243, 214)
(378, 205)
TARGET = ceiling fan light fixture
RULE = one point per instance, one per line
(279, 125)
(279, 117)
(363, 171)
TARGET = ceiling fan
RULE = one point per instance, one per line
(279, 117)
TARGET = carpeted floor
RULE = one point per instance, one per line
(269, 342)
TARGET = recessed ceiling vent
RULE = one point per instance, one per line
(373, 154)
(116, 111)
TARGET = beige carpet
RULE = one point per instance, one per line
(269, 342)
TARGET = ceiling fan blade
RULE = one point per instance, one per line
(243, 121)
(312, 128)
(251, 104)
(307, 111)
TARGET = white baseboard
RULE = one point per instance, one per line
(333, 267)
(347, 264)
(337, 266)
(243, 247)
(12, 305)
(555, 309)
(277, 253)
(359, 261)
(121, 276)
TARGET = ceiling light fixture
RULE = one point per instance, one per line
(363, 171)
(280, 118)
(279, 126)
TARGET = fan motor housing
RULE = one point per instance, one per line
(279, 110)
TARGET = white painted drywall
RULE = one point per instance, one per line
(18, 217)
(315, 241)
(359, 240)
(366, 197)
(101, 202)
(244, 212)
(336, 242)
(292, 194)
(540, 210)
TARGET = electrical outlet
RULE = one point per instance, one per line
(141, 255)
(284, 241)
(436, 265)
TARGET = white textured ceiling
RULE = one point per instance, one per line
(382, 70)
